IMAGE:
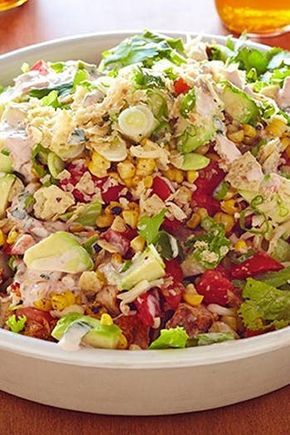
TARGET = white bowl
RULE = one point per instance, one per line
(134, 382)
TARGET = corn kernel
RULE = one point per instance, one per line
(276, 127)
(2, 238)
(249, 130)
(129, 182)
(145, 167)
(126, 169)
(241, 246)
(230, 206)
(170, 174)
(106, 320)
(236, 136)
(98, 165)
(43, 304)
(225, 219)
(179, 177)
(135, 181)
(193, 299)
(12, 237)
(137, 244)
(202, 212)
(194, 221)
(148, 181)
(101, 277)
(191, 176)
(104, 221)
(61, 301)
(131, 217)
(123, 342)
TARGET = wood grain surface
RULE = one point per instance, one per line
(40, 20)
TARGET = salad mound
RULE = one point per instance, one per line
(145, 202)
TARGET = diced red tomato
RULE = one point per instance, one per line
(209, 178)
(39, 323)
(173, 268)
(161, 188)
(148, 307)
(214, 287)
(117, 239)
(259, 263)
(172, 296)
(41, 67)
(202, 200)
(180, 86)
(171, 225)
(112, 193)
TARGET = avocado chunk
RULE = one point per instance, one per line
(239, 105)
(146, 265)
(88, 330)
(195, 136)
(6, 183)
(59, 252)
(194, 162)
(5, 163)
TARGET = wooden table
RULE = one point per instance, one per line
(41, 20)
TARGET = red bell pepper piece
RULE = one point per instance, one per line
(259, 263)
(214, 286)
(161, 188)
(112, 193)
(171, 225)
(203, 200)
(173, 268)
(180, 86)
(148, 307)
(209, 178)
(172, 296)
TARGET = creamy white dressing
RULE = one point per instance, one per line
(72, 338)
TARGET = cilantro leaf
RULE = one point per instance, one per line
(16, 324)
(145, 48)
(145, 78)
(264, 306)
(170, 338)
(149, 226)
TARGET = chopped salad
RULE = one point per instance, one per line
(145, 202)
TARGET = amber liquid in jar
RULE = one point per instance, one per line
(256, 16)
(9, 4)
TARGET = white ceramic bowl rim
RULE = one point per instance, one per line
(116, 359)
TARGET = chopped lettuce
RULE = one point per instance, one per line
(16, 324)
(211, 338)
(167, 245)
(276, 279)
(210, 248)
(170, 338)
(265, 305)
(149, 226)
(51, 100)
(146, 48)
